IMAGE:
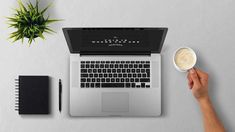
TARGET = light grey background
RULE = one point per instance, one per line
(208, 26)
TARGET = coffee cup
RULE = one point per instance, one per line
(184, 59)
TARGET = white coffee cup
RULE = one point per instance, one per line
(184, 59)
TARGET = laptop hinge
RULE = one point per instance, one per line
(115, 53)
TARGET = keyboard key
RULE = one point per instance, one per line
(142, 85)
(94, 70)
(144, 80)
(107, 79)
(83, 70)
(128, 85)
(82, 66)
(98, 80)
(114, 70)
(105, 75)
(142, 70)
(122, 80)
(84, 75)
(134, 75)
(138, 70)
(127, 80)
(106, 65)
(89, 70)
(90, 75)
(87, 85)
(146, 66)
(95, 75)
(117, 80)
(118, 70)
(147, 86)
(116, 66)
(137, 80)
(135, 65)
(140, 65)
(112, 80)
(83, 80)
(133, 70)
(139, 75)
(82, 85)
(100, 75)
(93, 79)
(110, 75)
(88, 80)
(147, 70)
(114, 75)
(129, 75)
(99, 70)
(111, 65)
(119, 75)
(132, 80)
(144, 75)
(123, 70)
(92, 85)
(82, 61)
(128, 70)
(133, 85)
(109, 70)
(87, 61)
(114, 85)
(103, 80)
(124, 75)
(97, 85)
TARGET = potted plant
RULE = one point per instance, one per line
(29, 22)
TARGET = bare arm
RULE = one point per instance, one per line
(198, 83)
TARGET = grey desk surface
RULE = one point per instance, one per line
(206, 26)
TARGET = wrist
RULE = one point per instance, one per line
(203, 100)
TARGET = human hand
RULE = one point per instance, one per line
(198, 83)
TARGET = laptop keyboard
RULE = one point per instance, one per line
(115, 74)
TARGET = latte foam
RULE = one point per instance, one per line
(185, 58)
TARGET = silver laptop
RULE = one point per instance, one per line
(115, 71)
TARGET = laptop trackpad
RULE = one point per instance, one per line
(115, 102)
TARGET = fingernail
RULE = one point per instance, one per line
(192, 70)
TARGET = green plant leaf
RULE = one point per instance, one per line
(29, 22)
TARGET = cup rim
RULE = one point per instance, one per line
(194, 54)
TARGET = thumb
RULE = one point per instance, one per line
(194, 76)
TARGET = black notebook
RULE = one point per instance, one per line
(32, 94)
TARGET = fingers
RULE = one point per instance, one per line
(203, 76)
(190, 81)
(194, 77)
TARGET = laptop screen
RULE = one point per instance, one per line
(115, 39)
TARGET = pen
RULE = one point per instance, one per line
(60, 94)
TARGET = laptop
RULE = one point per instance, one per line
(115, 71)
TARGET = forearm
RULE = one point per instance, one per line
(210, 119)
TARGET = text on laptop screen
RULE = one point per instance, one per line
(115, 39)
